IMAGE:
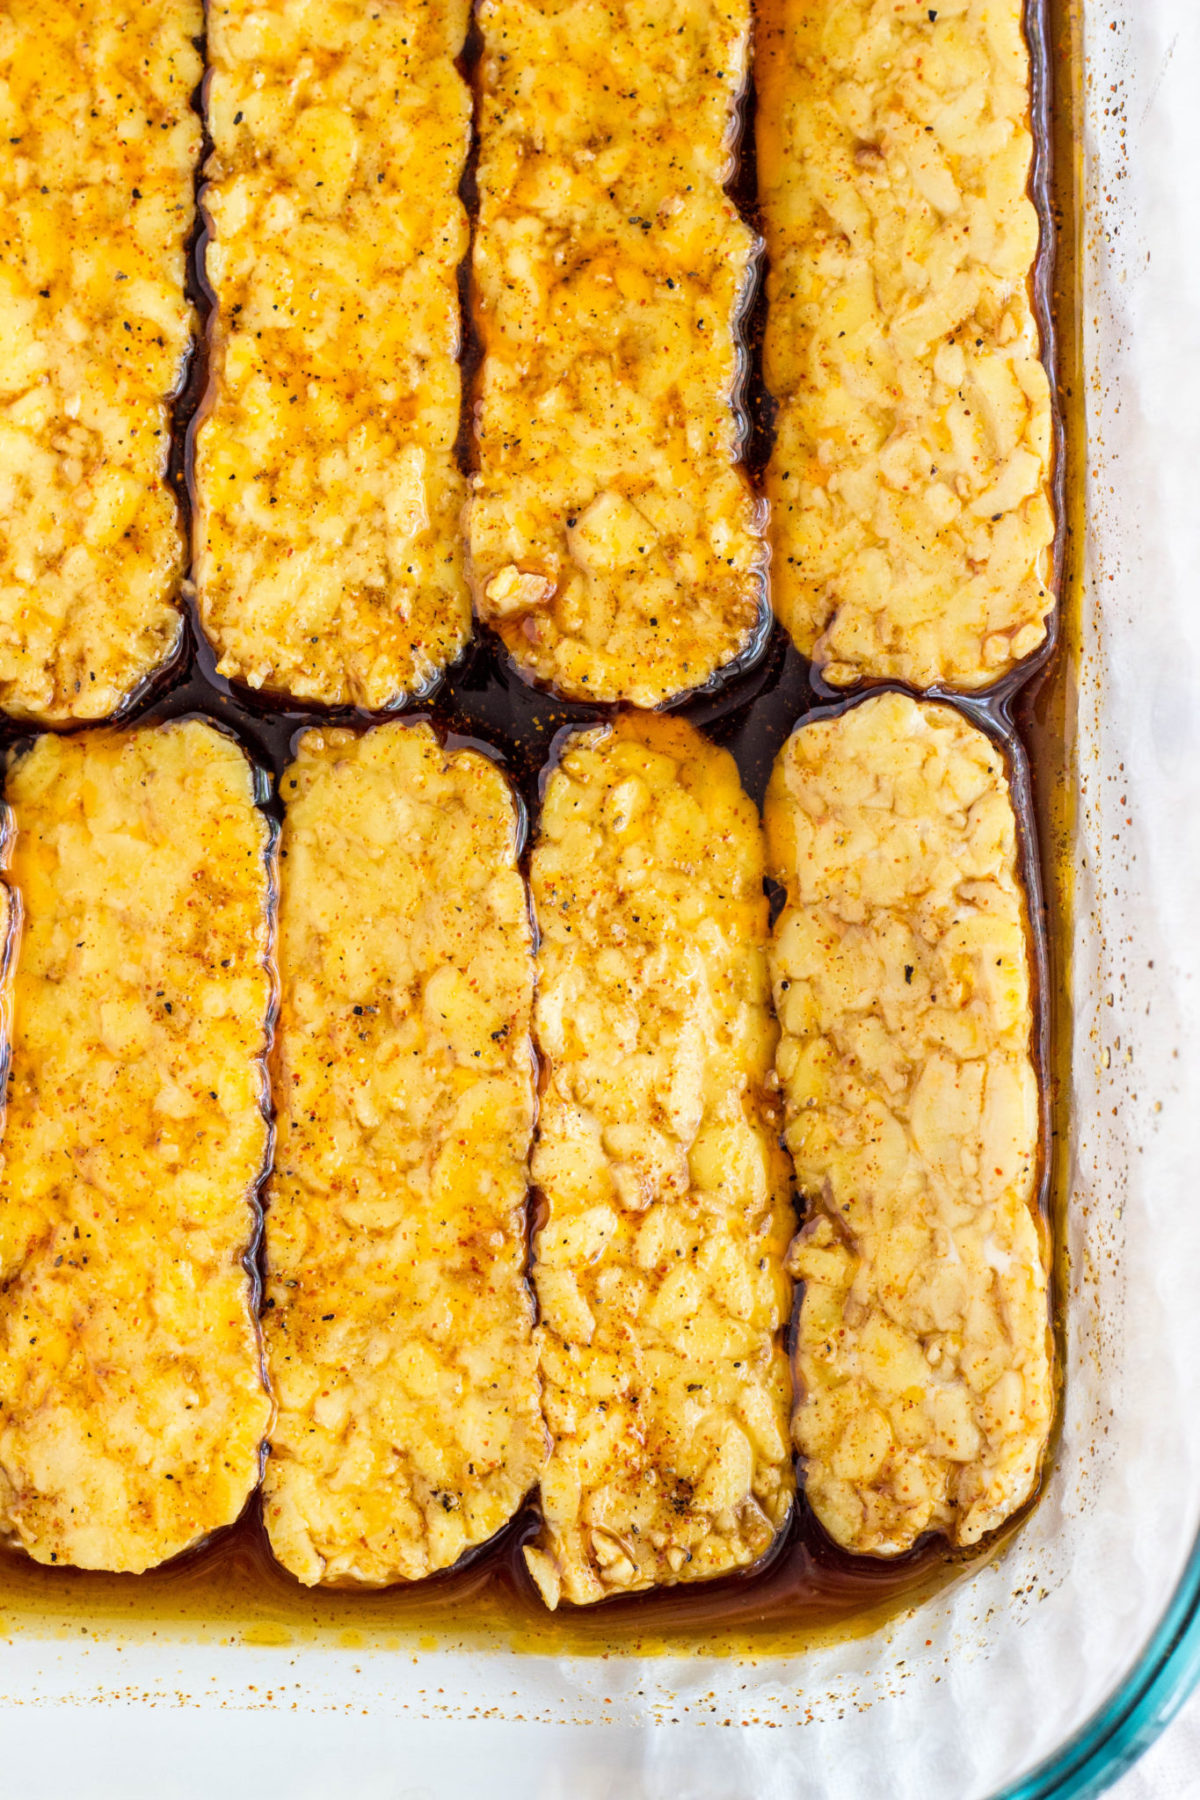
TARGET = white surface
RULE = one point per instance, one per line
(1170, 1769)
(992, 1677)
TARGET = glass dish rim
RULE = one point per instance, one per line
(1127, 1723)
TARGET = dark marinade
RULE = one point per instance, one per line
(806, 1583)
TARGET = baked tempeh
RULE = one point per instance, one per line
(902, 981)
(98, 143)
(132, 1405)
(328, 551)
(659, 1260)
(912, 522)
(615, 544)
(398, 1320)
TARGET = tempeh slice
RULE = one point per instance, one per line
(665, 1195)
(901, 968)
(615, 544)
(399, 1322)
(98, 142)
(912, 521)
(328, 550)
(132, 1404)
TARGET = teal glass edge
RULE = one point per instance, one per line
(1128, 1723)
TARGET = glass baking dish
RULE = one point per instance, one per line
(1045, 1668)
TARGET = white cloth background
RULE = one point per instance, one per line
(1170, 1769)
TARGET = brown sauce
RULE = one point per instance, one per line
(808, 1588)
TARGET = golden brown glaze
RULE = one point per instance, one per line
(912, 525)
(902, 981)
(398, 1321)
(328, 551)
(132, 1406)
(98, 143)
(615, 545)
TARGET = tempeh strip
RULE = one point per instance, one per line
(902, 981)
(911, 511)
(328, 551)
(398, 1319)
(98, 142)
(615, 543)
(659, 1260)
(132, 1405)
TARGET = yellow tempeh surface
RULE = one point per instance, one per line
(398, 1320)
(902, 981)
(614, 543)
(132, 1408)
(911, 513)
(659, 1261)
(328, 549)
(98, 143)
